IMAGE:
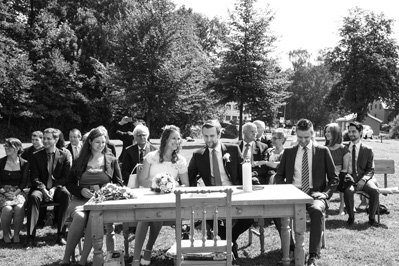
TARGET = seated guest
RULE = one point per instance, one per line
(166, 160)
(49, 172)
(75, 143)
(62, 146)
(94, 168)
(256, 152)
(37, 145)
(361, 174)
(261, 135)
(134, 154)
(13, 179)
(341, 156)
(309, 167)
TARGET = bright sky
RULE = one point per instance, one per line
(305, 24)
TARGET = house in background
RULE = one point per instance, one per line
(370, 120)
(232, 113)
(380, 110)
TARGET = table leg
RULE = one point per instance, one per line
(285, 240)
(300, 228)
(97, 234)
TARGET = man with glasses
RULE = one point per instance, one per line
(256, 151)
(135, 154)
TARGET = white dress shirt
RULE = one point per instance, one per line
(298, 165)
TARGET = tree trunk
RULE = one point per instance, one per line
(240, 120)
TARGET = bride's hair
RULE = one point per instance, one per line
(167, 131)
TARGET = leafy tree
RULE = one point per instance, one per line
(160, 66)
(366, 60)
(310, 85)
(247, 75)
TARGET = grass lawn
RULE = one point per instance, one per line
(358, 245)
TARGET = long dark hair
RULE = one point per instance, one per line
(167, 131)
(336, 136)
(80, 164)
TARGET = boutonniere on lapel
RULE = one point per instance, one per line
(226, 157)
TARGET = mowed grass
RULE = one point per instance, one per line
(359, 245)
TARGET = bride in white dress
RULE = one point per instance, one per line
(166, 159)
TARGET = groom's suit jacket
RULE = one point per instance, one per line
(199, 166)
(323, 169)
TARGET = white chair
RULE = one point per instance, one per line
(202, 205)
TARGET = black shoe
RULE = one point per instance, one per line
(234, 250)
(351, 221)
(372, 222)
(312, 259)
(30, 243)
(61, 240)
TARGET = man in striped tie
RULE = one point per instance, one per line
(310, 168)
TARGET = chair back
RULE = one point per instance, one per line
(203, 205)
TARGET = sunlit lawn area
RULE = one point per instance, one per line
(358, 245)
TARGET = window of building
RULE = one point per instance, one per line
(380, 106)
(228, 117)
(371, 107)
(375, 106)
(234, 117)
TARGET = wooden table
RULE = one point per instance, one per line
(285, 201)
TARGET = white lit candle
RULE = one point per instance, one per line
(247, 176)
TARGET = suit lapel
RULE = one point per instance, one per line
(57, 157)
(360, 155)
(224, 151)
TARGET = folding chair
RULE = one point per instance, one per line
(203, 205)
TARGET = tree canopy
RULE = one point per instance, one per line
(366, 61)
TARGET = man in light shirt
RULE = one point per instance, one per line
(309, 167)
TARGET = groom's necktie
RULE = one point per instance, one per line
(216, 171)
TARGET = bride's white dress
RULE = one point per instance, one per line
(174, 169)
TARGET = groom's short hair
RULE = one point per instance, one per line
(213, 123)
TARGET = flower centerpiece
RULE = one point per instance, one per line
(112, 192)
(163, 183)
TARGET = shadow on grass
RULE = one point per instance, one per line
(358, 225)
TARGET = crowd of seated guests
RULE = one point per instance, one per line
(68, 175)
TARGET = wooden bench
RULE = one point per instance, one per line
(381, 167)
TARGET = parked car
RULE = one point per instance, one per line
(367, 132)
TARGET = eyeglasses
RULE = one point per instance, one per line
(275, 138)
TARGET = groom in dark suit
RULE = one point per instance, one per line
(218, 164)
(361, 170)
(135, 154)
(309, 167)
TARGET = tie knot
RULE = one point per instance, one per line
(247, 145)
(50, 154)
(305, 148)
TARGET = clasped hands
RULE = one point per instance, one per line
(48, 194)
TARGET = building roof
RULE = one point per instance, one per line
(352, 116)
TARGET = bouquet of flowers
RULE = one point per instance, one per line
(163, 183)
(112, 192)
